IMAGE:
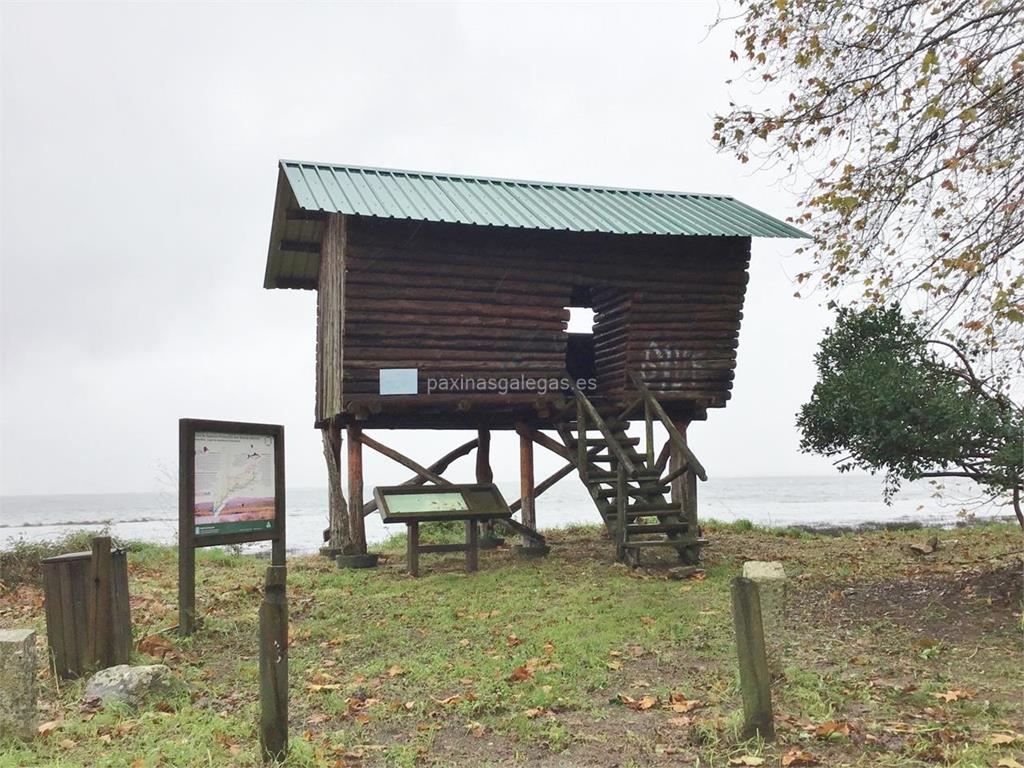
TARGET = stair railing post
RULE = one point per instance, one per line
(620, 508)
(581, 437)
(649, 432)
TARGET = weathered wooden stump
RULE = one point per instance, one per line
(88, 617)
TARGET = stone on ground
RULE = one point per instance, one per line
(129, 685)
(17, 683)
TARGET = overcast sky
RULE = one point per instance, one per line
(139, 162)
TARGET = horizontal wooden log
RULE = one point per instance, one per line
(453, 320)
(507, 283)
(481, 309)
(515, 259)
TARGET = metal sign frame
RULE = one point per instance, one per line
(382, 492)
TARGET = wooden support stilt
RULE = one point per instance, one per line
(336, 537)
(526, 488)
(688, 485)
(484, 474)
(355, 489)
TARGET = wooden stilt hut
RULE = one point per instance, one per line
(443, 301)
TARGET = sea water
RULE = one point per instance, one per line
(844, 500)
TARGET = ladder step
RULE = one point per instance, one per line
(657, 527)
(660, 543)
(647, 490)
(593, 441)
(655, 506)
(608, 510)
(663, 513)
(613, 424)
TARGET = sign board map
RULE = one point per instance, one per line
(234, 483)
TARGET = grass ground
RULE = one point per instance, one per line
(892, 658)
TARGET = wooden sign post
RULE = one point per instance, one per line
(755, 680)
(230, 491)
(274, 666)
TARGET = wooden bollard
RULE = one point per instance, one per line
(99, 592)
(274, 666)
(755, 680)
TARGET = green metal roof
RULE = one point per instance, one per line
(481, 201)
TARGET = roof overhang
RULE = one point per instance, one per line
(308, 192)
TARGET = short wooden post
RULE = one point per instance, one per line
(274, 666)
(526, 487)
(355, 489)
(412, 548)
(755, 680)
(472, 546)
(100, 619)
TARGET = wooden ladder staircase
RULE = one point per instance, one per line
(632, 490)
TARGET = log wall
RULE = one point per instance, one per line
(452, 300)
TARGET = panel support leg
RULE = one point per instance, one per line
(472, 546)
(412, 548)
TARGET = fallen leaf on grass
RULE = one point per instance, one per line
(534, 712)
(954, 695)
(1008, 762)
(680, 722)
(512, 641)
(640, 705)
(679, 703)
(48, 727)
(927, 548)
(613, 665)
(317, 687)
(519, 674)
(825, 730)
(67, 744)
(798, 757)
(452, 700)
(155, 645)
(394, 671)
(998, 739)
(746, 760)
(476, 729)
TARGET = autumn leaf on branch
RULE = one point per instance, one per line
(899, 125)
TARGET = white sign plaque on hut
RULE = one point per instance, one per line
(398, 381)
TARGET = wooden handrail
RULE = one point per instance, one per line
(673, 433)
(613, 444)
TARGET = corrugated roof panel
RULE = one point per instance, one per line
(398, 194)
(476, 200)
